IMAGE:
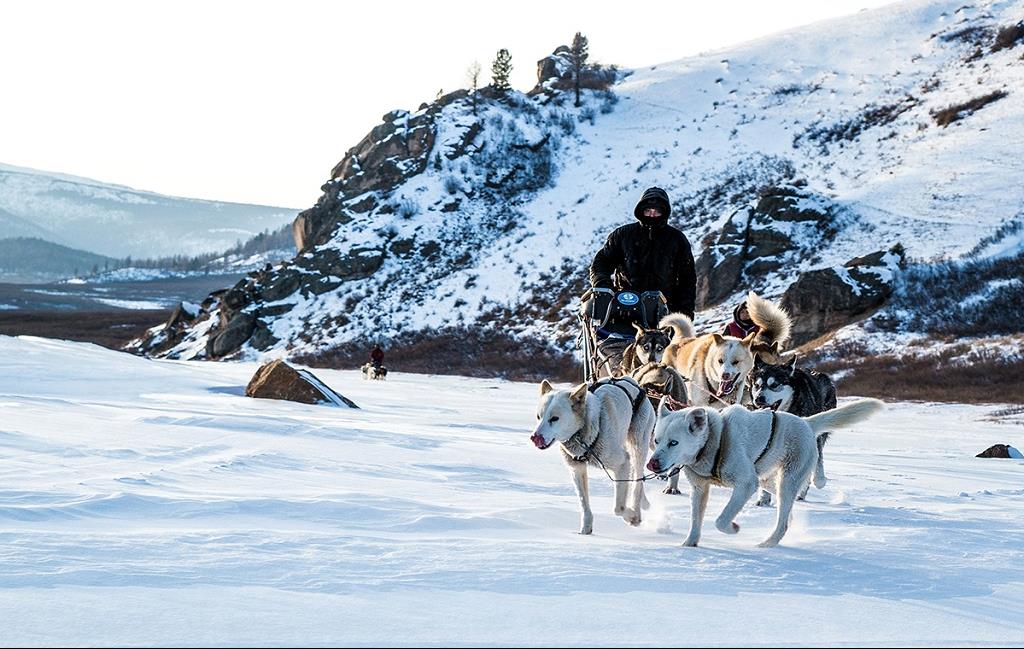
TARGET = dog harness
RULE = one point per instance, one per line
(771, 438)
(718, 452)
(578, 435)
(714, 463)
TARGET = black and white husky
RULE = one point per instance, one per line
(787, 388)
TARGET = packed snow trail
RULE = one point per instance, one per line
(150, 502)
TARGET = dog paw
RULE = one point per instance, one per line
(690, 543)
(768, 543)
(632, 517)
(672, 491)
(586, 531)
(727, 527)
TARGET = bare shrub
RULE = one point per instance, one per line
(408, 208)
(957, 112)
(963, 298)
(452, 184)
(1008, 37)
(987, 379)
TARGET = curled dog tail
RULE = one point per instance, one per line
(771, 318)
(844, 416)
(682, 326)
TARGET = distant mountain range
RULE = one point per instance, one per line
(118, 221)
(29, 259)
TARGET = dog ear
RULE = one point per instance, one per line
(639, 329)
(700, 417)
(579, 393)
(749, 340)
(719, 338)
(669, 331)
(545, 387)
(663, 406)
(774, 348)
(792, 366)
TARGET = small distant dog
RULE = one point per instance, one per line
(740, 449)
(371, 371)
(608, 425)
(649, 346)
(786, 388)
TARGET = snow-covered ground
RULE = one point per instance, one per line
(149, 502)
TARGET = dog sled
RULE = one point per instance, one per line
(606, 326)
(373, 372)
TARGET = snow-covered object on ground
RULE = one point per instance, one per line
(149, 502)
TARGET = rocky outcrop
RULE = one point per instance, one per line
(824, 300)
(278, 380)
(554, 72)
(417, 199)
(392, 151)
(787, 223)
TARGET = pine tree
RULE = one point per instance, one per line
(473, 76)
(578, 59)
(500, 71)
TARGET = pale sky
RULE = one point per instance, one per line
(256, 101)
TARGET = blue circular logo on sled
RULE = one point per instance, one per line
(627, 298)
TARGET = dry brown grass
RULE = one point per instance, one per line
(1008, 37)
(479, 353)
(988, 378)
(956, 112)
(111, 329)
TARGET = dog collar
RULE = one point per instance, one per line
(587, 448)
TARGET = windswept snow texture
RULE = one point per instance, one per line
(149, 502)
(119, 221)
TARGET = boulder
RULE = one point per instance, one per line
(280, 285)
(182, 316)
(279, 380)
(1001, 451)
(555, 65)
(824, 300)
(356, 263)
(238, 330)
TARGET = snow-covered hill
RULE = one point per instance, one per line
(149, 502)
(895, 126)
(119, 221)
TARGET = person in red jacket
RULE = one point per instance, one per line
(377, 356)
(741, 325)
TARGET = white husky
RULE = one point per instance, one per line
(609, 426)
(738, 448)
